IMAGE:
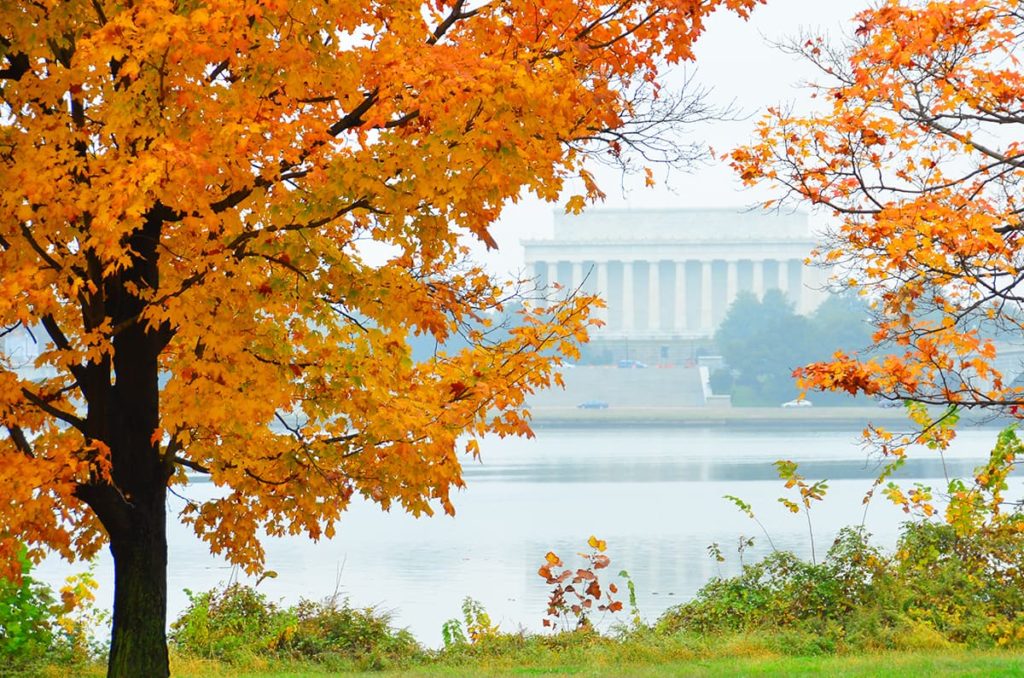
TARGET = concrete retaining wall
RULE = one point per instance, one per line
(625, 387)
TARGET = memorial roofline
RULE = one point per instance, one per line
(679, 225)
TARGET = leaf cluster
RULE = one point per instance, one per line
(914, 146)
(577, 594)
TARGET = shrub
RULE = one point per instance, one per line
(969, 588)
(939, 588)
(27, 615)
(721, 381)
(36, 626)
(332, 629)
(783, 591)
(577, 595)
(229, 624)
(955, 581)
(237, 623)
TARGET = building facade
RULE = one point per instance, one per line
(669, 275)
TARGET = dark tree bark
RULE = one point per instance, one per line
(123, 411)
(138, 646)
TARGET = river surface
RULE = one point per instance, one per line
(655, 496)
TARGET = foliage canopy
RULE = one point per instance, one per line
(916, 148)
(226, 217)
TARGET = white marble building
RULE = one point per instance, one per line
(671, 274)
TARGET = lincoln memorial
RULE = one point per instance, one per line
(669, 275)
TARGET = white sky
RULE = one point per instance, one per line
(736, 61)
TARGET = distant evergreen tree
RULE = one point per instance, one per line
(763, 341)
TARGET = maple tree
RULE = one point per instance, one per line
(916, 148)
(226, 218)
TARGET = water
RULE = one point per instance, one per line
(655, 495)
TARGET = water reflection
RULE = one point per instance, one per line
(673, 471)
(654, 495)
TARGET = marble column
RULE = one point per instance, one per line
(577, 275)
(707, 322)
(731, 282)
(602, 289)
(653, 296)
(628, 300)
(757, 284)
(784, 277)
(679, 304)
(552, 275)
(795, 289)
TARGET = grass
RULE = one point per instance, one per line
(910, 665)
(736, 656)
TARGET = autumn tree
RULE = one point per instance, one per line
(916, 147)
(224, 219)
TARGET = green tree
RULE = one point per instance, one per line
(841, 323)
(763, 341)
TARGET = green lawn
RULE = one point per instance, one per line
(910, 665)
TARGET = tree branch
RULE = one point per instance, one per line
(55, 412)
(20, 440)
(188, 463)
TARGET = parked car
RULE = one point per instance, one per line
(799, 402)
(593, 405)
(631, 364)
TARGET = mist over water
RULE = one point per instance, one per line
(654, 494)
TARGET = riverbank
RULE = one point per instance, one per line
(757, 417)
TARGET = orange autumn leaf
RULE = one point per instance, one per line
(915, 149)
(226, 222)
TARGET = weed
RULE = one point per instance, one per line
(570, 605)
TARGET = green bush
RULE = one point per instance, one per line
(721, 381)
(784, 591)
(237, 623)
(37, 626)
(332, 629)
(28, 613)
(940, 588)
(969, 588)
(229, 624)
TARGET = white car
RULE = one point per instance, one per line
(799, 402)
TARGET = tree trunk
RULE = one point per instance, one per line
(124, 412)
(138, 647)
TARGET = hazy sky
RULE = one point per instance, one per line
(735, 59)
